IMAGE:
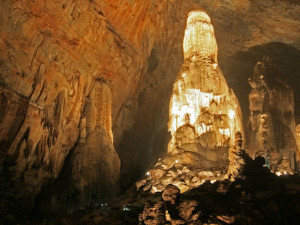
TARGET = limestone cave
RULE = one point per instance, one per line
(127, 112)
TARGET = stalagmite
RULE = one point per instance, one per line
(271, 100)
(236, 159)
(204, 116)
(96, 165)
(201, 98)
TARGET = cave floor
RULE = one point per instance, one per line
(261, 198)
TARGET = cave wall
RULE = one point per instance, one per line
(53, 52)
(272, 122)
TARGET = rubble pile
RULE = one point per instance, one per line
(170, 209)
(260, 198)
(185, 176)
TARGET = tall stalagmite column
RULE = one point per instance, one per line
(204, 116)
(95, 163)
(204, 111)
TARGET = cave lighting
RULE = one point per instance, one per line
(225, 132)
(188, 110)
(125, 208)
(231, 114)
(278, 174)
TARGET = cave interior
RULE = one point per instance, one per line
(150, 112)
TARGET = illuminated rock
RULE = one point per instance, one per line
(156, 174)
(185, 170)
(65, 43)
(204, 115)
(284, 167)
(199, 38)
(271, 100)
(204, 112)
(236, 160)
(61, 50)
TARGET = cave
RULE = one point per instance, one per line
(149, 112)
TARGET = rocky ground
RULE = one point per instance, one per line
(178, 169)
(260, 198)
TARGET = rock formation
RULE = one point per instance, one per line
(298, 144)
(186, 171)
(236, 159)
(171, 210)
(96, 164)
(204, 115)
(204, 112)
(260, 198)
(51, 55)
(53, 51)
(272, 121)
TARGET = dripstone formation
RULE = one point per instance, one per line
(204, 112)
(92, 179)
(85, 90)
(204, 115)
(236, 158)
(272, 122)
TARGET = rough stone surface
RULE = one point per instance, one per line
(171, 194)
(203, 110)
(171, 210)
(259, 198)
(236, 159)
(272, 115)
(96, 164)
(52, 54)
(185, 170)
(53, 51)
(204, 113)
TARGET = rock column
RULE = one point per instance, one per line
(204, 111)
(272, 122)
(96, 165)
